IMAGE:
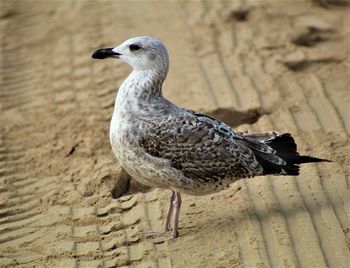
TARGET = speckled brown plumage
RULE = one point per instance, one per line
(163, 145)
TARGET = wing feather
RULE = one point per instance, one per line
(202, 147)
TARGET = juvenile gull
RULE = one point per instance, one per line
(162, 145)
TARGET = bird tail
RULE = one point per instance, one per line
(286, 148)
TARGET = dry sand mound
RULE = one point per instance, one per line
(259, 65)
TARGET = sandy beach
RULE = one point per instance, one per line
(257, 65)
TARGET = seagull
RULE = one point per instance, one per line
(162, 145)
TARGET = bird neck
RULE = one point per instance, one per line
(139, 90)
(146, 84)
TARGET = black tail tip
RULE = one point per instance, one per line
(286, 148)
(310, 159)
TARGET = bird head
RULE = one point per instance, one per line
(142, 53)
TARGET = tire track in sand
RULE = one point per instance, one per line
(305, 221)
(53, 216)
(31, 231)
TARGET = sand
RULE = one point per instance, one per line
(258, 65)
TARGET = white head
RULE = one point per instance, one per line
(142, 53)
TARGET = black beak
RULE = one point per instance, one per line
(105, 53)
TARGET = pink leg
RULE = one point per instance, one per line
(177, 205)
(174, 207)
(167, 226)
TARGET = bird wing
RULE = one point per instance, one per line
(202, 147)
(263, 137)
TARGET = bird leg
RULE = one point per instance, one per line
(174, 208)
(167, 226)
(177, 205)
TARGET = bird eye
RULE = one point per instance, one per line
(133, 47)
